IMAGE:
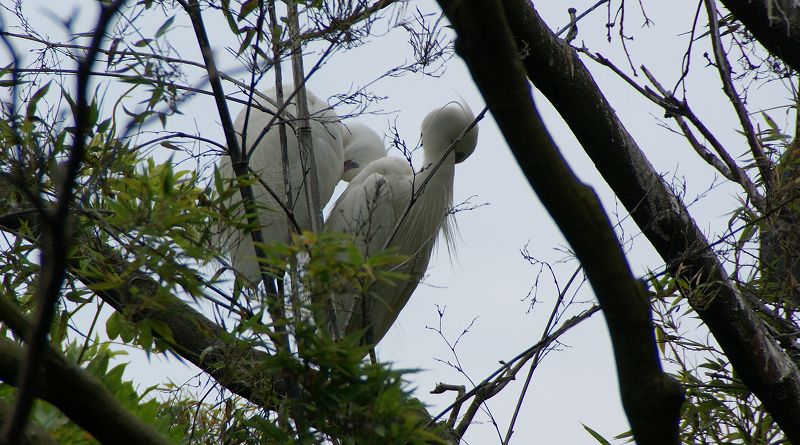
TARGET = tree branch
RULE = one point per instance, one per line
(651, 398)
(194, 337)
(32, 434)
(79, 395)
(239, 163)
(774, 23)
(556, 71)
(56, 240)
(724, 69)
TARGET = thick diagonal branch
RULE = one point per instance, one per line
(651, 398)
(78, 394)
(235, 364)
(774, 23)
(554, 68)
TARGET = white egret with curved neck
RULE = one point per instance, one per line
(266, 161)
(375, 210)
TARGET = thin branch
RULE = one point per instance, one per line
(460, 391)
(724, 68)
(738, 175)
(284, 207)
(651, 398)
(239, 164)
(537, 355)
(500, 373)
(421, 189)
(281, 103)
(342, 25)
(304, 140)
(130, 77)
(56, 242)
(674, 108)
(575, 21)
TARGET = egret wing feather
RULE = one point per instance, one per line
(417, 231)
(368, 210)
(267, 162)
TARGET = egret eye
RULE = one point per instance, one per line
(350, 164)
(361, 146)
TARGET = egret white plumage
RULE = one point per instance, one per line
(266, 162)
(362, 145)
(372, 209)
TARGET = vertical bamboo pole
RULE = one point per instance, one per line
(303, 128)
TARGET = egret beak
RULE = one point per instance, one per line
(350, 164)
(459, 157)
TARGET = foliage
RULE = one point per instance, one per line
(158, 215)
(148, 204)
(96, 360)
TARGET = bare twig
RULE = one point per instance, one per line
(240, 167)
(499, 374)
(285, 207)
(574, 21)
(132, 77)
(421, 189)
(537, 355)
(676, 109)
(687, 56)
(724, 68)
(460, 390)
(737, 174)
(342, 25)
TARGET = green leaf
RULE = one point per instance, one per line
(112, 326)
(165, 27)
(169, 179)
(770, 122)
(226, 10)
(112, 50)
(77, 296)
(102, 127)
(127, 332)
(247, 8)
(661, 339)
(7, 83)
(37, 96)
(596, 435)
(248, 37)
(624, 435)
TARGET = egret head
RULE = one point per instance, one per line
(441, 127)
(361, 146)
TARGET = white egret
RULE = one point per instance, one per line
(266, 162)
(361, 146)
(373, 209)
